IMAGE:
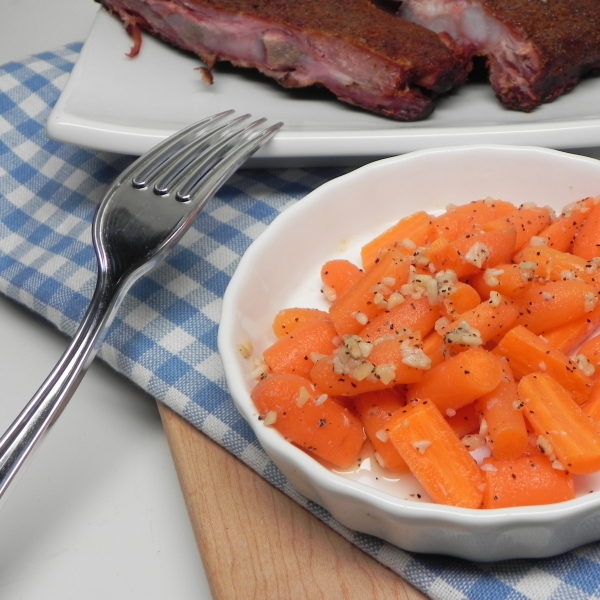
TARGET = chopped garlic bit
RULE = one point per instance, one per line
(473, 441)
(329, 293)
(386, 373)
(245, 348)
(478, 254)
(463, 335)
(544, 445)
(260, 371)
(322, 398)
(527, 269)
(568, 275)
(584, 365)
(380, 460)
(382, 435)
(362, 371)
(556, 464)
(270, 418)
(488, 467)
(536, 240)
(394, 299)
(421, 446)
(490, 276)
(450, 412)
(495, 299)
(361, 318)
(589, 301)
(591, 267)
(303, 396)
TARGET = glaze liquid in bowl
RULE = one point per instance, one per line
(281, 269)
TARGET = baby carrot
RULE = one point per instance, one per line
(545, 306)
(587, 241)
(309, 419)
(292, 354)
(570, 336)
(356, 307)
(288, 319)
(436, 456)
(375, 410)
(563, 428)
(338, 276)
(525, 481)
(506, 430)
(528, 353)
(412, 231)
(459, 380)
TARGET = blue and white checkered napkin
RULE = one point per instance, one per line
(164, 336)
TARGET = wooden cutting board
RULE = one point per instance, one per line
(255, 542)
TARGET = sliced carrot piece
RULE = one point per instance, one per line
(506, 429)
(459, 380)
(529, 353)
(587, 241)
(293, 353)
(570, 336)
(414, 231)
(563, 427)
(288, 319)
(436, 456)
(545, 306)
(375, 409)
(355, 308)
(338, 276)
(525, 481)
(293, 406)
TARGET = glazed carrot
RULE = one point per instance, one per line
(338, 276)
(554, 265)
(545, 306)
(435, 455)
(471, 253)
(469, 218)
(570, 336)
(292, 354)
(564, 429)
(385, 366)
(416, 315)
(592, 407)
(463, 421)
(561, 233)
(459, 380)
(288, 319)
(508, 279)
(591, 352)
(463, 297)
(528, 220)
(525, 481)
(506, 428)
(489, 320)
(354, 309)
(587, 241)
(301, 413)
(412, 231)
(529, 353)
(375, 410)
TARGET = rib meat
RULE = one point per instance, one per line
(365, 56)
(536, 49)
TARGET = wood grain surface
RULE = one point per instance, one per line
(255, 542)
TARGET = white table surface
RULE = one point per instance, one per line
(98, 513)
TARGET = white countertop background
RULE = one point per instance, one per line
(98, 513)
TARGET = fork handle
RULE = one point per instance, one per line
(45, 406)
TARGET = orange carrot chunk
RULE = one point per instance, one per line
(554, 303)
(529, 353)
(338, 276)
(525, 481)
(288, 319)
(355, 308)
(462, 297)
(295, 352)
(587, 242)
(507, 279)
(506, 429)
(436, 456)
(409, 232)
(570, 336)
(375, 410)
(292, 405)
(564, 430)
(459, 380)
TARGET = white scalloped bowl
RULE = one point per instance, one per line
(281, 269)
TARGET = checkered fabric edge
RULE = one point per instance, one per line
(48, 195)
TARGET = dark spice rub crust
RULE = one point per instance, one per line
(365, 56)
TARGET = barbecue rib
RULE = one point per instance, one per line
(365, 56)
(536, 49)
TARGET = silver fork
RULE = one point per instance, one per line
(142, 216)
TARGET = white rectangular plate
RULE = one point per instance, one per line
(115, 103)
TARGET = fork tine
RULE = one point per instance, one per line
(201, 162)
(176, 163)
(201, 190)
(147, 164)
